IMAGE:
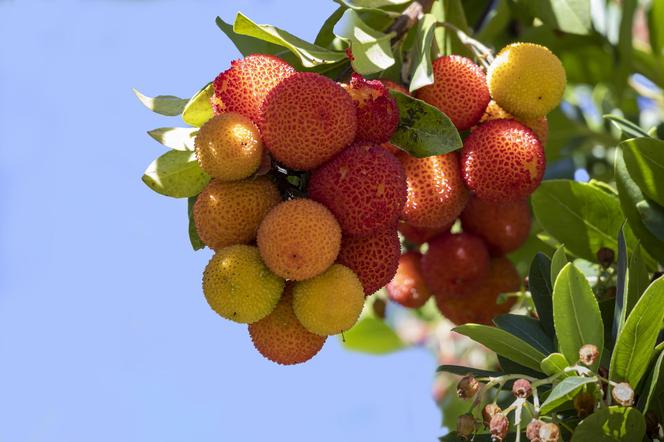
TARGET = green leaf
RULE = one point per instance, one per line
(199, 109)
(251, 45)
(579, 215)
(558, 261)
(196, 242)
(644, 158)
(309, 54)
(576, 314)
(652, 216)
(636, 341)
(422, 71)
(621, 287)
(463, 371)
(447, 41)
(638, 280)
(627, 126)
(364, 6)
(565, 391)
(655, 20)
(541, 289)
(371, 49)
(178, 138)
(528, 329)
(371, 335)
(326, 37)
(611, 424)
(504, 344)
(423, 130)
(168, 105)
(553, 364)
(654, 390)
(176, 173)
(572, 16)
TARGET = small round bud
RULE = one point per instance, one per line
(623, 394)
(379, 308)
(549, 432)
(532, 430)
(605, 257)
(584, 403)
(499, 426)
(588, 354)
(467, 387)
(465, 426)
(522, 388)
(488, 412)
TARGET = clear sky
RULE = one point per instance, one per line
(104, 332)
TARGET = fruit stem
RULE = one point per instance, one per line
(483, 53)
(408, 18)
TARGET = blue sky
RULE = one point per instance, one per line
(104, 332)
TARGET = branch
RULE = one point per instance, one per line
(408, 18)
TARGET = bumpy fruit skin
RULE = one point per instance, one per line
(227, 213)
(459, 90)
(229, 147)
(377, 112)
(502, 160)
(374, 258)
(307, 119)
(436, 192)
(420, 235)
(329, 303)
(394, 86)
(239, 287)
(539, 125)
(299, 239)
(243, 87)
(453, 263)
(527, 80)
(408, 287)
(364, 186)
(503, 226)
(479, 305)
(280, 336)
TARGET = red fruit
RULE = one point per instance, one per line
(453, 262)
(373, 258)
(420, 235)
(391, 148)
(244, 86)
(364, 186)
(459, 90)
(502, 160)
(436, 192)
(408, 287)
(503, 226)
(394, 86)
(479, 305)
(377, 112)
(307, 119)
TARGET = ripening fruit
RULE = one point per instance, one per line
(527, 80)
(239, 287)
(299, 239)
(408, 287)
(228, 213)
(502, 160)
(420, 235)
(459, 90)
(280, 336)
(436, 192)
(391, 85)
(329, 303)
(503, 226)
(374, 258)
(453, 262)
(364, 186)
(539, 125)
(244, 86)
(306, 119)
(479, 305)
(377, 112)
(229, 147)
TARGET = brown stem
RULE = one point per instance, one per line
(409, 18)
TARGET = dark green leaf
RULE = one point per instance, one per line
(176, 173)
(196, 242)
(558, 261)
(423, 130)
(654, 387)
(655, 20)
(611, 424)
(528, 329)
(541, 289)
(627, 126)
(422, 71)
(553, 364)
(178, 138)
(621, 286)
(463, 371)
(371, 335)
(564, 391)
(199, 109)
(447, 41)
(652, 215)
(644, 158)
(372, 50)
(168, 105)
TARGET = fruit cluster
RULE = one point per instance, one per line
(307, 196)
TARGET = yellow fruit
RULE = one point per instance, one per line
(299, 239)
(281, 338)
(539, 125)
(239, 287)
(229, 147)
(527, 80)
(228, 213)
(329, 303)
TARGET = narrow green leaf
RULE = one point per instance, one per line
(178, 138)
(421, 69)
(654, 390)
(541, 289)
(565, 391)
(655, 20)
(251, 45)
(621, 287)
(168, 105)
(196, 242)
(423, 130)
(463, 371)
(447, 41)
(503, 343)
(177, 174)
(637, 281)
(371, 335)
(611, 424)
(199, 109)
(576, 314)
(558, 261)
(371, 49)
(636, 342)
(626, 126)
(553, 364)
(528, 329)
(644, 158)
